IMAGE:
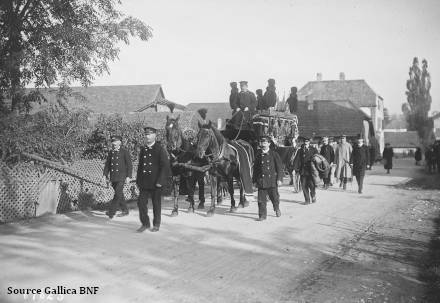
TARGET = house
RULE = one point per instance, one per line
(403, 142)
(357, 91)
(217, 112)
(396, 122)
(436, 122)
(333, 118)
(119, 99)
(187, 120)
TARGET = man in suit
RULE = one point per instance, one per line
(360, 161)
(303, 166)
(328, 153)
(268, 175)
(117, 170)
(152, 174)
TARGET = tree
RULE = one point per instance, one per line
(58, 42)
(419, 100)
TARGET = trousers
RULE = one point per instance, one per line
(118, 198)
(274, 197)
(308, 187)
(156, 199)
(199, 179)
(360, 180)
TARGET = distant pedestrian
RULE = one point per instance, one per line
(117, 170)
(303, 166)
(387, 156)
(329, 154)
(268, 175)
(418, 155)
(152, 174)
(436, 151)
(342, 159)
(295, 181)
(360, 160)
(429, 153)
(372, 150)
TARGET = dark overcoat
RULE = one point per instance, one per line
(268, 169)
(118, 164)
(153, 167)
(328, 153)
(247, 99)
(360, 158)
(303, 161)
(387, 156)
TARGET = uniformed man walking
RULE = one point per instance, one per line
(119, 166)
(152, 174)
(360, 160)
(303, 166)
(268, 175)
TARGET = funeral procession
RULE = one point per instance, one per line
(215, 151)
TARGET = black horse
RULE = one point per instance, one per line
(228, 160)
(181, 152)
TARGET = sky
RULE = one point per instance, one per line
(200, 46)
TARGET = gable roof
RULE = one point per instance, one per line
(113, 99)
(161, 102)
(330, 118)
(402, 139)
(217, 110)
(188, 119)
(357, 91)
(398, 122)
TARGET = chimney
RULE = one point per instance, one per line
(318, 77)
(342, 76)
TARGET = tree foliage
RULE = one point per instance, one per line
(54, 133)
(418, 104)
(133, 136)
(58, 42)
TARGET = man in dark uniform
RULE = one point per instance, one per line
(303, 166)
(293, 100)
(329, 154)
(268, 175)
(233, 98)
(118, 165)
(152, 174)
(360, 160)
(260, 101)
(246, 103)
(270, 95)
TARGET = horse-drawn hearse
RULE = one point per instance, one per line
(227, 154)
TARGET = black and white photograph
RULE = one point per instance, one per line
(254, 151)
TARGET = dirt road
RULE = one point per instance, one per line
(374, 247)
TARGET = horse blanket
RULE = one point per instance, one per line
(245, 159)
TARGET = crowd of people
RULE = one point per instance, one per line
(432, 157)
(343, 161)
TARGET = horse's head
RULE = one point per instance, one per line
(173, 133)
(205, 139)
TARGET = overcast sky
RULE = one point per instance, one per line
(199, 46)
